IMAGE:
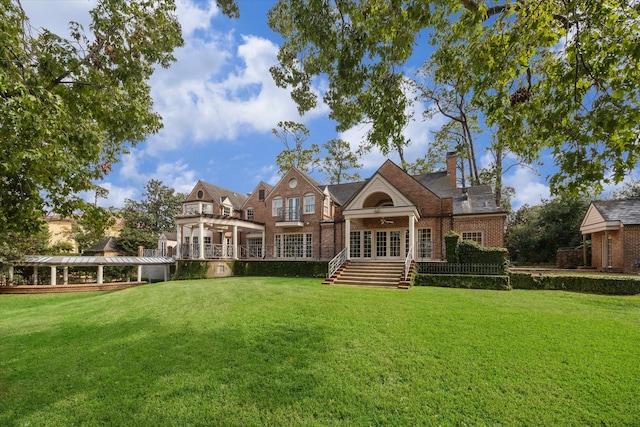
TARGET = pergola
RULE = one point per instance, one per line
(53, 262)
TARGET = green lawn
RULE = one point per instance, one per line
(290, 352)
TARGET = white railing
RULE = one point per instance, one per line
(155, 253)
(407, 262)
(336, 262)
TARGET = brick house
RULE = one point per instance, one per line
(390, 216)
(614, 230)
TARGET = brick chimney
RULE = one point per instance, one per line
(452, 168)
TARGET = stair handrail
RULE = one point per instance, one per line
(336, 262)
(407, 262)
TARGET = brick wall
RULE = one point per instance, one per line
(492, 228)
(631, 248)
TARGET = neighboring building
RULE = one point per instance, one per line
(614, 227)
(60, 230)
(381, 218)
(106, 247)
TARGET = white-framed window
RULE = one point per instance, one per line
(424, 243)
(254, 247)
(475, 236)
(295, 245)
(276, 207)
(326, 206)
(309, 204)
(250, 214)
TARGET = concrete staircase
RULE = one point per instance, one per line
(370, 273)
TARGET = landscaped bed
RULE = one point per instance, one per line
(269, 351)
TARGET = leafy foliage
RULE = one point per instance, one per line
(90, 227)
(338, 161)
(558, 76)
(72, 105)
(293, 135)
(534, 233)
(144, 220)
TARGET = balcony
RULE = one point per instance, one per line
(286, 217)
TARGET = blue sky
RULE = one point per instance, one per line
(219, 105)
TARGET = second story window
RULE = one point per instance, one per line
(250, 214)
(226, 210)
(261, 195)
(276, 207)
(326, 207)
(309, 204)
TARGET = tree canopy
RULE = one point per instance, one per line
(557, 77)
(71, 105)
(144, 220)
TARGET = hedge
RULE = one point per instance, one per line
(281, 268)
(590, 284)
(499, 283)
(189, 270)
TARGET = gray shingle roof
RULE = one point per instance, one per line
(479, 200)
(218, 193)
(625, 210)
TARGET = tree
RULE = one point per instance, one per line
(71, 106)
(338, 161)
(535, 233)
(555, 75)
(91, 226)
(293, 135)
(630, 190)
(144, 220)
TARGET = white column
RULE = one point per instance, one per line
(100, 275)
(11, 274)
(412, 234)
(53, 278)
(347, 236)
(139, 273)
(35, 275)
(235, 242)
(264, 244)
(179, 243)
(65, 275)
(201, 239)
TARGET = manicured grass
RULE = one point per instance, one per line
(268, 351)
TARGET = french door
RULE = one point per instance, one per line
(378, 244)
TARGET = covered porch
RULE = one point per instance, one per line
(207, 236)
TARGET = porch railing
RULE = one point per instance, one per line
(289, 214)
(407, 262)
(336, 262)
(155, 253)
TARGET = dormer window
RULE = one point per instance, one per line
(226, 210)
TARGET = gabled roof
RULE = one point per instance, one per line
(219, 193)
(343, 192)
(266, 186)
(626, 211)
(169, 235)
(108, 244)
(302, 175)
(607, 215)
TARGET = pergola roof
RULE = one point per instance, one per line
(71, 261)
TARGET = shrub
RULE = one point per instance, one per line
(451, 241)
(189, 269)
(590, 284)
(500, 283)
(280, 268)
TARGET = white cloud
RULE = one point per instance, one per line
(529, 189)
